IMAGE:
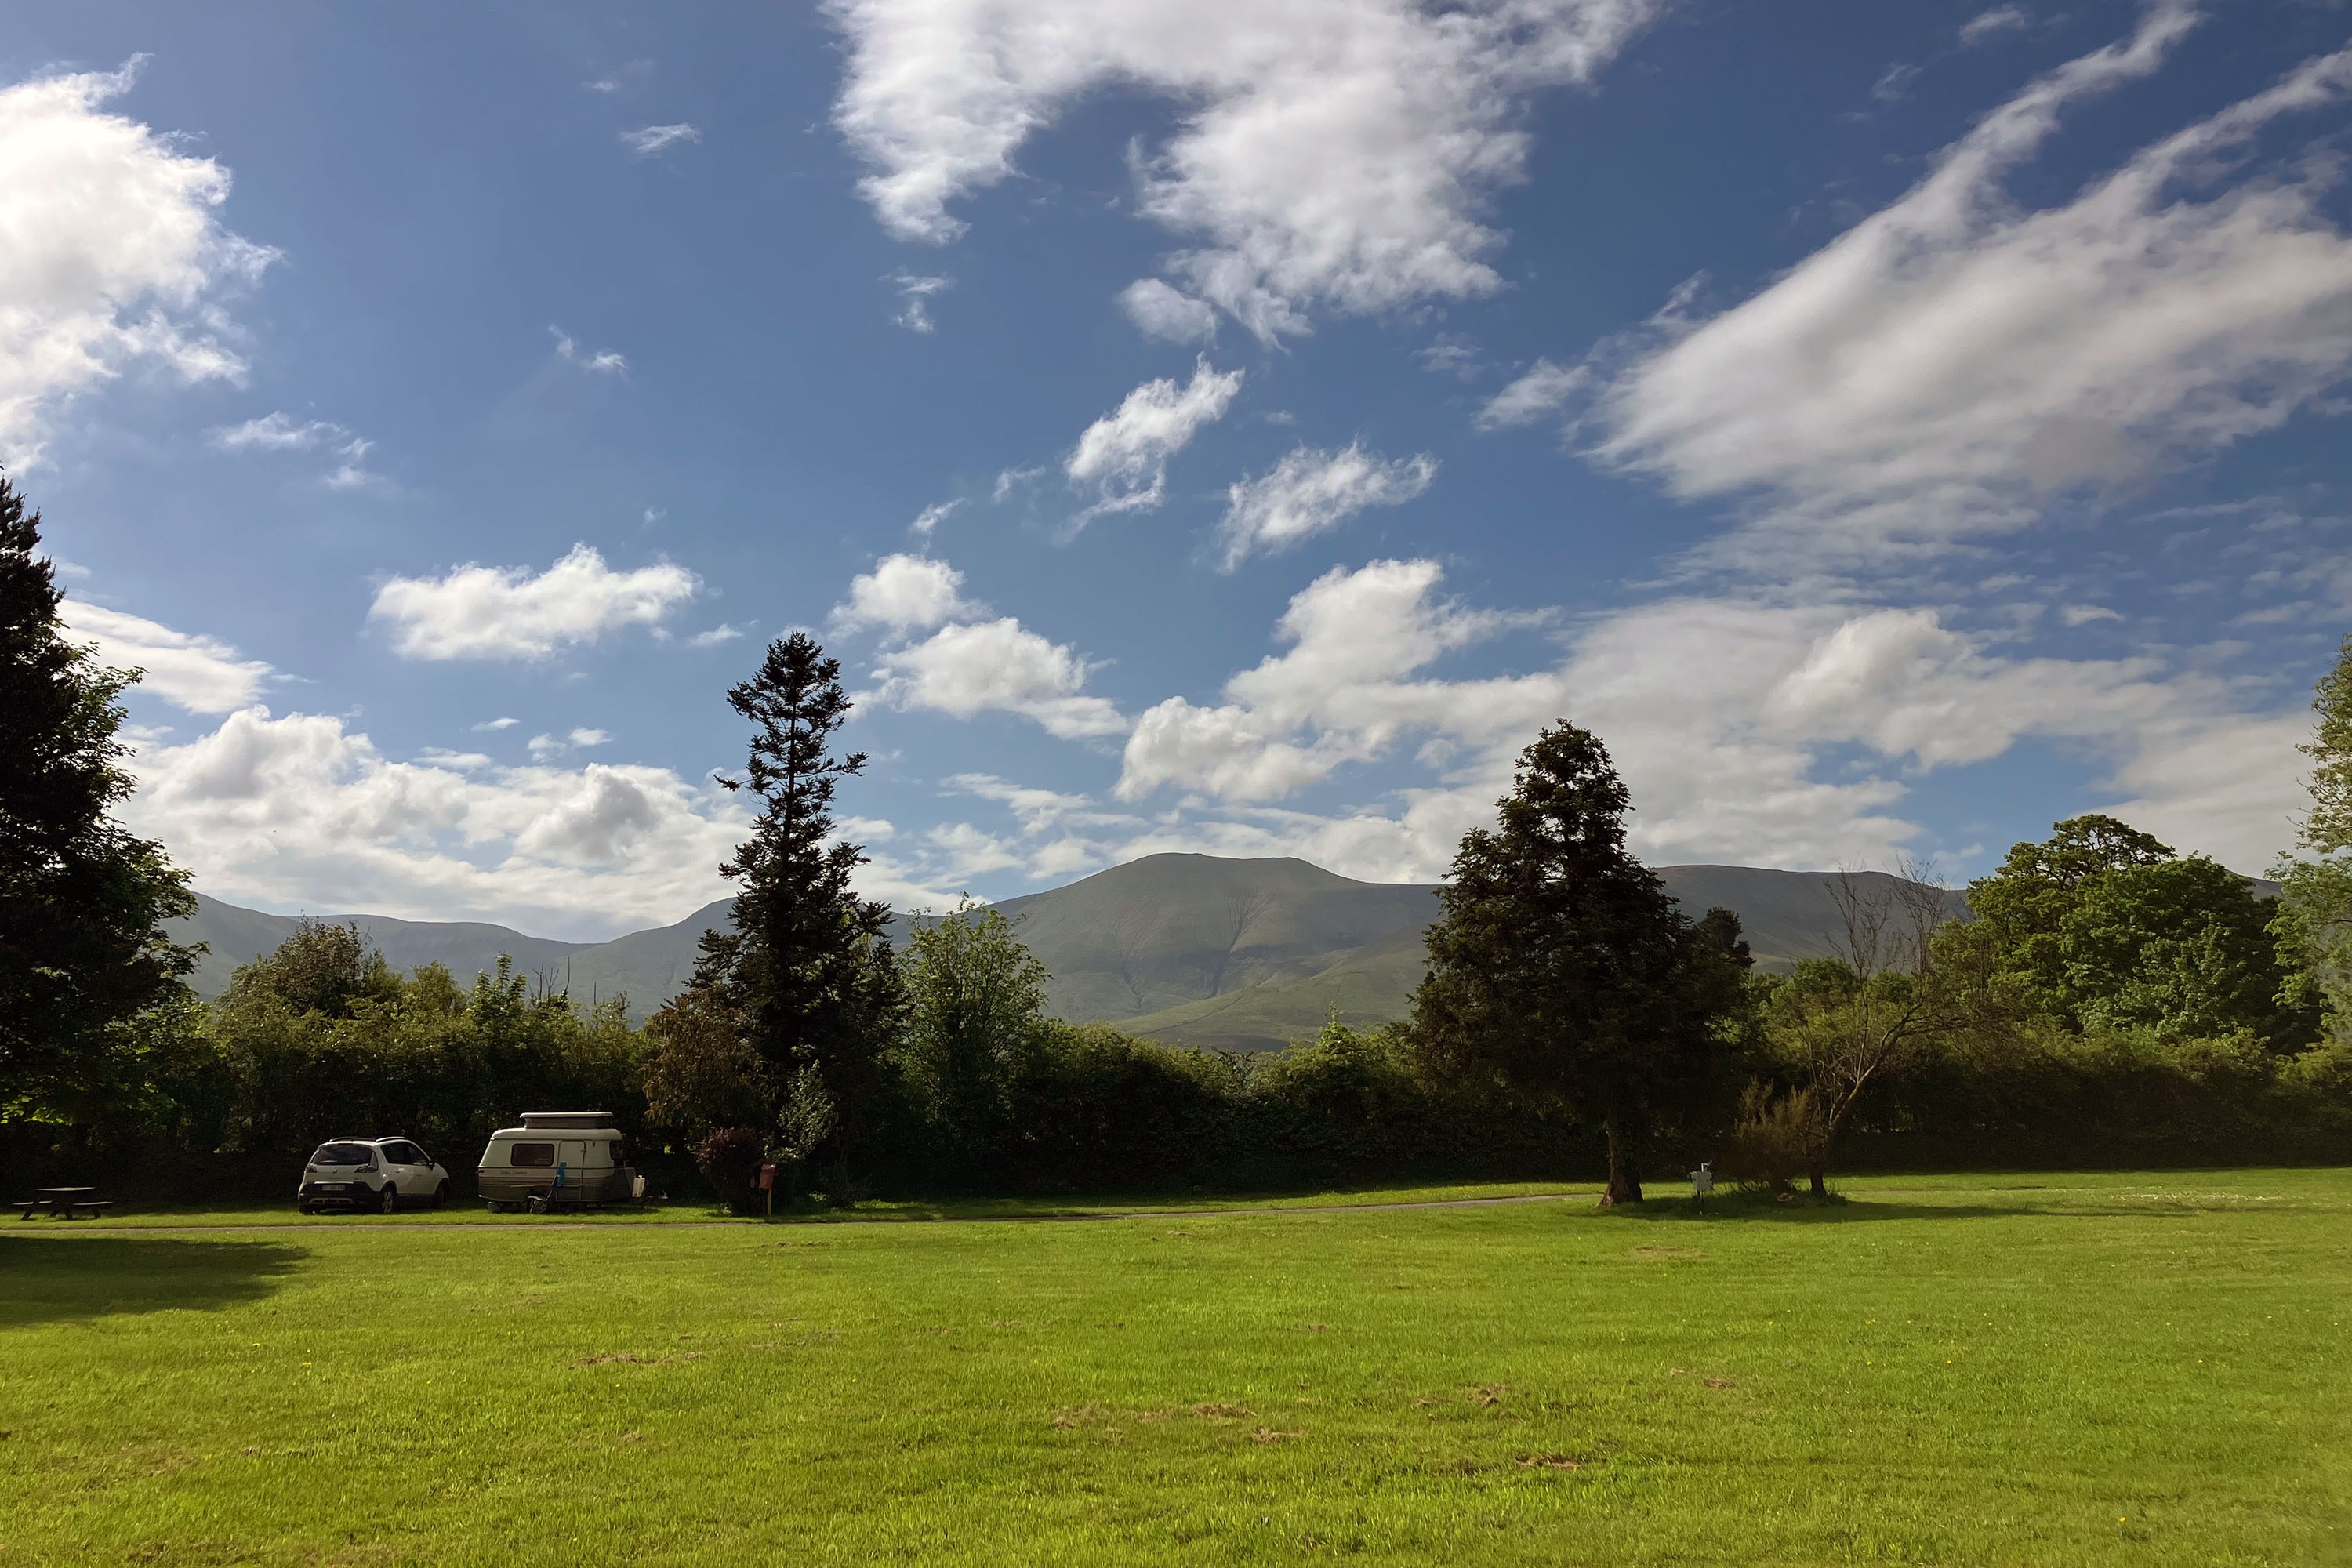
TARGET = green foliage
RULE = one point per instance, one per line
(729, 1158)
(2179, 947)
(82, 900)
(2024, 905)
(698, 1072)
(807, 969)
(975, 1018)
(1775, 1138)
(1560, 971)
(295, 1053)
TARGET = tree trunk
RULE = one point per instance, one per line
(1624, 1168)
(1817, 1170)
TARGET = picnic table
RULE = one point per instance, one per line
(59, 1203)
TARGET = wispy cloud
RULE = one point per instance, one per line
(915, 315)
(648, 140)
(1123, 455)
(603, 361)
(927, 521)
(278, 432)
(1311, 491)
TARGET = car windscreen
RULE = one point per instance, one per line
(342, 1154)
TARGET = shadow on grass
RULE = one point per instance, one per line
(1738, 1208)
(59, 1279)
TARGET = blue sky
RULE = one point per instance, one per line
(1892, 427)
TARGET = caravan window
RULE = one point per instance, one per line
(534, 1154)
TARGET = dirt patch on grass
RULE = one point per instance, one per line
(1222, 1411)
(632, 1358)
(1667, 1254)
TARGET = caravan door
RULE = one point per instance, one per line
(572, 1159)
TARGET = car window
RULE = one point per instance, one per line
(534, 1154)
(407, 1155)
(342, 1154)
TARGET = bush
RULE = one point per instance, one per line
(1772, 1142)
(730, 1159)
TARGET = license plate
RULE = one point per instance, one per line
(335, 1187)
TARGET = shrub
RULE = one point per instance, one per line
(1772, 1142)
(730, 1159)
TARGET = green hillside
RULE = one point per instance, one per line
(1196, 950)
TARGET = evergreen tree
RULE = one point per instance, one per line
(81, 898)
(2314, 927)
(1560, 971)
(807, 969)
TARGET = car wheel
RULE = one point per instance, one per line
(441, 1196)
(388, 1201)
(307, 1207)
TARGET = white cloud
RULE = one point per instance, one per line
(970, 852)
(111, 254)
(648, 140)
(1332, 153)
(606, 362)
(1544, 389)
(490, 612)
(915, 315)
(2084, 615)
(200, 674)
(964, 670)
(1723, 713)
(1894, 84)
(902, 593)
(1992, 24)
(1952, 362)
(1310, 492)
(543, 747)
(721, 633)
(278, 432)
(1168, 314)
(507, 724)
(299, 812)
(1124, 455)
(1342, 693)
(927, 521)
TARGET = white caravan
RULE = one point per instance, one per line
(558, 1159)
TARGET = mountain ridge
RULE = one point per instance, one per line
(1200, 950)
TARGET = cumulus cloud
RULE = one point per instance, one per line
(1310, 492)
(904, 593)
(113, 253)
(1721, 712)
(300, 810)
(965, 670)
(1124, 455)
(1332, 153)
(493, 612)
(543, 747)
(915, 313)
(604, 362)
(1168, 314)
(199, 674)
(1345, 691)
(648, 140)
(1954, 361)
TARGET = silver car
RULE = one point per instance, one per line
(385, 1175)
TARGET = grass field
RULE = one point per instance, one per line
(2061, 1369)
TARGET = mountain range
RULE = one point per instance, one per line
(1196, 950)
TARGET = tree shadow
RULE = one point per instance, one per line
(1737, 1209)
(46, 1279)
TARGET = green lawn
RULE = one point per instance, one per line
(2064, 1369)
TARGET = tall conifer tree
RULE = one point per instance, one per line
(81, 898)
(807, 969)
(1560, 971)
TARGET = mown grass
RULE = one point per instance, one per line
(2062, 1370)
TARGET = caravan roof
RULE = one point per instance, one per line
(581, 1120)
